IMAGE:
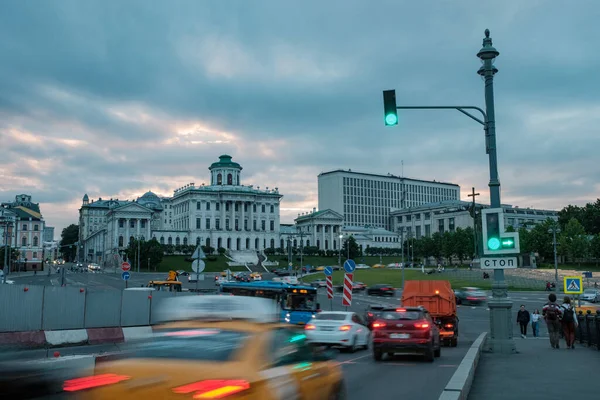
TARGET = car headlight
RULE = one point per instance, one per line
(287, 315)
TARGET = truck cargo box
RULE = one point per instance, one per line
(436, 296)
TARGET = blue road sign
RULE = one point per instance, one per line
(349, 266)
(587, 274)
(125, 275)
(573, 285)
(328, 271)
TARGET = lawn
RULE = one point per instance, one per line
(178, 262)
(316, 261)
(394, 277)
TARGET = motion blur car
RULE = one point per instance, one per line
(216, 347)
(339, 328)
(381, 289)
(591, 295)
(181, 272)
(470, 296)
(321, 283)
(359, 286)
(408, 330)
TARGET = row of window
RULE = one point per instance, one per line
(36, 227)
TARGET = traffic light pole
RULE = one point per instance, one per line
(501, 338)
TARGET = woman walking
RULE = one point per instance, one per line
(523, 319)
(569, 322)
(535, 323)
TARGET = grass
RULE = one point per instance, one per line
(394, 278)
(317, 261)
(178, 262)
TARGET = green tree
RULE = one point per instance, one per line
(13, 254)
(448, 246)
(150, 251)
(591, 221)
(354, 248)
(436, 248)
(573, 241)
(539, 239)
(595, 247)
(68, 238)
(463, 243)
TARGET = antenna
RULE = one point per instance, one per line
(402, 173)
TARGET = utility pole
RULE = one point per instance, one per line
(555, 229)
(474, 215)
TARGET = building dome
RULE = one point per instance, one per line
(225, 162)
(150, 200)
(225, 172)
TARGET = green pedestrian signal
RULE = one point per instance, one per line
(493, 243)
(389, 108)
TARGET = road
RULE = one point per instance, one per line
(406, 376)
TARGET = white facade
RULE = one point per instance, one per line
(446, 216)
(366, 199)
(372, 236)
(319, 228)
(223, 214)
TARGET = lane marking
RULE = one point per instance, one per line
(351, 361)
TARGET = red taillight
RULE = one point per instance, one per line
(378, 324)
(370, 314)
(73, 385)
(384, 288)
(213, 389)
(345, 327)
(400, 309)
(448, 326)
(471, 298)
(309, 327)
(422, 325)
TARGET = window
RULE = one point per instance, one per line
(162, 240)
(227, 206)
(121, 241)
(24, 242)
(217, 224)
(451, 224)
(227, 224)
(185, 242)
(254, 207)
(36, 227)
(254, 225)
(143, 223)
(272, 209)
(24, 227)
(237, 226)
(177, 242)
(217, 206)
(198, 223)
(35, 241)
(263, 209)
(170, 240)
(441, 225)
(34, 255)
(236, 207)
(132, 224)
(246, 224)
(198, 241)
(272, 225)
(219, 179)
(263, 225)
(121, 223)
(207, 206)
(207, 223)
(229, 179)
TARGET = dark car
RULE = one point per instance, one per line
(408, 330)
(358, 286)
(372, 313)
(470, 296)
(319, 283)
(381, 289)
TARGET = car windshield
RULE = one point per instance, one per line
(191, 344)
(589, 291)
(395, 315)
(331, 317)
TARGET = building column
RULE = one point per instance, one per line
(331, 237)
(137, 227)
(127, 236)
(149, 228)
(243, 216)
(222, 217)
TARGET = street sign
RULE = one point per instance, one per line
(498, 262)
(125, 275)
(198, 266)
(328, 271)
(125, 266)
(198, 254)
(347, 296)
(573, 285)
(349, 266)
(329, 281)
(587, 274)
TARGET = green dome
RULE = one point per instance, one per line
(225, 162)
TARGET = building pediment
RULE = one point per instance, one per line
(318, 216)
(131, 207)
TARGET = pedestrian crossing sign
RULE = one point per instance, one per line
(573, 285)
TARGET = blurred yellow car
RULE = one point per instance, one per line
(321, 268)
(378, 266)
(216, 352)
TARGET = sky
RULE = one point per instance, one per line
(117, 98)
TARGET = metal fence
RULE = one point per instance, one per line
(35, 308)
(588, 330)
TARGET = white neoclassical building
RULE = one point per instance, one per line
(224, 213)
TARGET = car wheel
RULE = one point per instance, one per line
(352, 348)
(453, 342)
(429, 354)
(437, 352)
(377, 355)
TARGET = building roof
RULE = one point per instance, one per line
(225, 162)
(462, 205)
(24, 213)
(111, 203)
(390, 176)
(237, 189)
(316, 214)
(367, 230)
(150, 200)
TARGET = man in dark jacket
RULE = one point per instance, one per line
(523, 319)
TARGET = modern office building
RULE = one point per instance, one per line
(366, 199)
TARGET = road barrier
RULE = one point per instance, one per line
(588, 329)
(28, 311)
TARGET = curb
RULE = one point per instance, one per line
(459, 386)
(55, 339)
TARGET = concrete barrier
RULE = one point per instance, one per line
(105, 335)
(67, 337)
(137, 333)
(28, 338)
(460, 384)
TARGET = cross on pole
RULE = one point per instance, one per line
(473, 195)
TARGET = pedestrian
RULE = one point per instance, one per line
(535, 323)
(569, 322)
(552, 314)
(523, 319)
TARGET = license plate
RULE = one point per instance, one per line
(399, 336)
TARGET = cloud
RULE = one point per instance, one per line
(114, 99)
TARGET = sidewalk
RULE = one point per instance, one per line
(537, 372)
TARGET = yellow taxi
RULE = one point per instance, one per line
(256, 276)
(214, 351)
(378, 266)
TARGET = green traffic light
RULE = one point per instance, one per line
(493, 243)
(391, 119)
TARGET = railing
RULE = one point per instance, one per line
(588, 329)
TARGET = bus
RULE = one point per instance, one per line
(298, 304)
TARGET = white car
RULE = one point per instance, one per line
(363, 266)
(338, 328)
(592, 295)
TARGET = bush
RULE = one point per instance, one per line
(211, 258)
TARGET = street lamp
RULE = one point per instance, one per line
(554, 230)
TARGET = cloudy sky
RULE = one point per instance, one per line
(114, 98)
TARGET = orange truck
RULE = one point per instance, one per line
(438, 298)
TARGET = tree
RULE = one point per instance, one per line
(69, 236)
(354, 249)
(595, 247)
(463, 243)
(448, 246)
(13, 254)
(148, 250)
(573, 241)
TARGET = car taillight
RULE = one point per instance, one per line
(370, 314)
(471, 298)
(448, 326)
(88, 382)
(378, 324)
(345, 327)
(310, 327)
(384, 288)
(401, 310)
(422, 325)
(213, 389)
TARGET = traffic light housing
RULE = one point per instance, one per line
(389, 108)
(495, 240)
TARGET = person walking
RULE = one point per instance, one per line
(552, 314)
(569, 322)
(523, 319)
(535, 323)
